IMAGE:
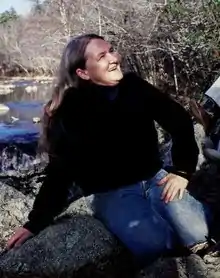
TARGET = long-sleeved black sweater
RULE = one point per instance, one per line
(103, 144)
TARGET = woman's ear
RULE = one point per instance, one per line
(82, 74)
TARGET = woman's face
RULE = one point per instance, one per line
(102, 64)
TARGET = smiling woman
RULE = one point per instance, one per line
(100, 133)
(102, 64)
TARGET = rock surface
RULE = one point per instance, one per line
(183, 267)
(76, 246)
(14, 208)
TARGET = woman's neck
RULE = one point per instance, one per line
(108, 92)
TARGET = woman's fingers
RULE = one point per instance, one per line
(18, 238)
(166, 190)
(11, 242)
(164, 180)
(173, 192)
(21, 240)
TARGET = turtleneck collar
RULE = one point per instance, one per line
(109, 93)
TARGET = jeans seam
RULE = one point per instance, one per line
(145, 190)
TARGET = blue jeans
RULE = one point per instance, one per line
(145, 223)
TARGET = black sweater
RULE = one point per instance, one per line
(103, 144)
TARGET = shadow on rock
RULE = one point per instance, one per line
(205, 186)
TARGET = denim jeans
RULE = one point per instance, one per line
(148, 226)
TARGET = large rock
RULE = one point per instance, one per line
(74, 247)
(77, 245)
(14, 207)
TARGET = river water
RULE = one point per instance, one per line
(18, 133)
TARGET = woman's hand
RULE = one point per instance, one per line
(19, 237)
(174, 185)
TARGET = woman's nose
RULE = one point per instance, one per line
(114, 57)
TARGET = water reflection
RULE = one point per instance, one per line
(18, 134)
(23, 105)
(22, 110)
(17, 125)
(43, 94)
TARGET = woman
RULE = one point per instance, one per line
(100, 133)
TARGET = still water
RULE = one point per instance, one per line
(18, 133)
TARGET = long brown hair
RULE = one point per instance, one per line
(73, 57)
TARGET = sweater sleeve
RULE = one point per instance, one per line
(53, 194)
(176, 120)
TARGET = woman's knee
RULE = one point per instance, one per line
(188, 217)
(176, 204)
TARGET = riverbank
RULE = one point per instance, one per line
(38, 78)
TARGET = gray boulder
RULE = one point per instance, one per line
(77, 245)
(14, 207)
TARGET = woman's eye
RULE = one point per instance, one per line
(101, 56)
(111, 49)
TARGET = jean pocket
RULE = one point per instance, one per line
(158, 177)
